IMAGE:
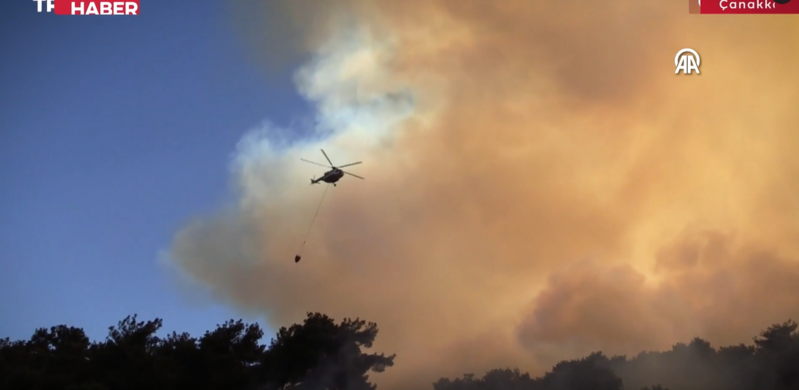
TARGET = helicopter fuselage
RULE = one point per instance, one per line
(331, 176)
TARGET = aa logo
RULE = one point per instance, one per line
(687, 61)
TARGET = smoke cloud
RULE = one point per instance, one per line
(539, 183)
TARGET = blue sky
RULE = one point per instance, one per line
(114, 131)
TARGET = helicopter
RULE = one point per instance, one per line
(334, 175)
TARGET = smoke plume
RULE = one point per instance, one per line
(539, 183)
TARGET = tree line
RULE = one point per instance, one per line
(321, 354)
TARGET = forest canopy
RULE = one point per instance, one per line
(321, 353)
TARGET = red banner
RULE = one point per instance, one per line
(743, 7)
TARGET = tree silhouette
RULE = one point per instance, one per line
(772, 363)
(320, 354)
(590, 373)
(777, 349)
(498, 379)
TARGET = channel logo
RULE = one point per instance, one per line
(88, 7)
